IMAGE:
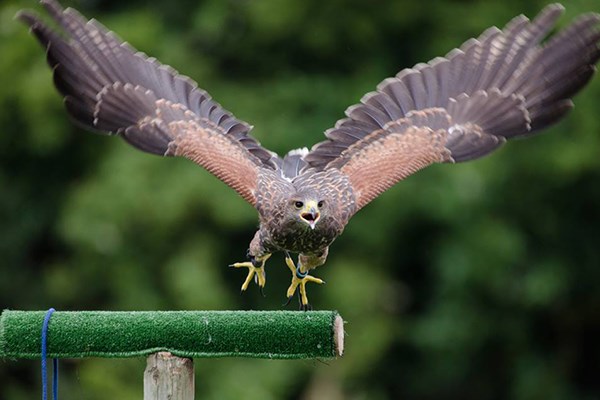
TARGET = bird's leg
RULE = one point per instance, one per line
(255, 269)
(300, 278)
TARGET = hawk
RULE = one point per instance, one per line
(507, 83)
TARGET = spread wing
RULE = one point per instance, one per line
(502, 85)
(110, 87)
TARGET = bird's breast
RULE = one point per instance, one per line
(302, 239)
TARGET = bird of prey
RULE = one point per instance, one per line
(507, 83)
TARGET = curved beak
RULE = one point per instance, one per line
(310, 213)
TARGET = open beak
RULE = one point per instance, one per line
(310, 214)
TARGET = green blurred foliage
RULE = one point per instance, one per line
(472, 281)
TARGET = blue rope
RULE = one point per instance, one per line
(54, 361)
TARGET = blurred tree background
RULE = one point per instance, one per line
(473, 281)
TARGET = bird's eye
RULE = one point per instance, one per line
(320, 204)
(299, 204)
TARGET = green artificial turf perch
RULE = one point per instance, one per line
(255, 334)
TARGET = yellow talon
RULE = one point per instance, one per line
(290, 263)
(300, 279)
(254, 271)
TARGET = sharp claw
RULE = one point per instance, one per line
(299, 280)
(262, 291)
(303, 306)
(255, 270)
(245, 264)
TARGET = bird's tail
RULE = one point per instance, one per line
(293, 163)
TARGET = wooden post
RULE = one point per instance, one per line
(168, 377)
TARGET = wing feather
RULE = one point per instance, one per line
(386, 156)
(111, 88)
(504, 84)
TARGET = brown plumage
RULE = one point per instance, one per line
(505, 84)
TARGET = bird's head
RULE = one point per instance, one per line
(307, 209)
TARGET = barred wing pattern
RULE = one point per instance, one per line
(110, 87)
(502, 85)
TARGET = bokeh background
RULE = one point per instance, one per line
(473, 281)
